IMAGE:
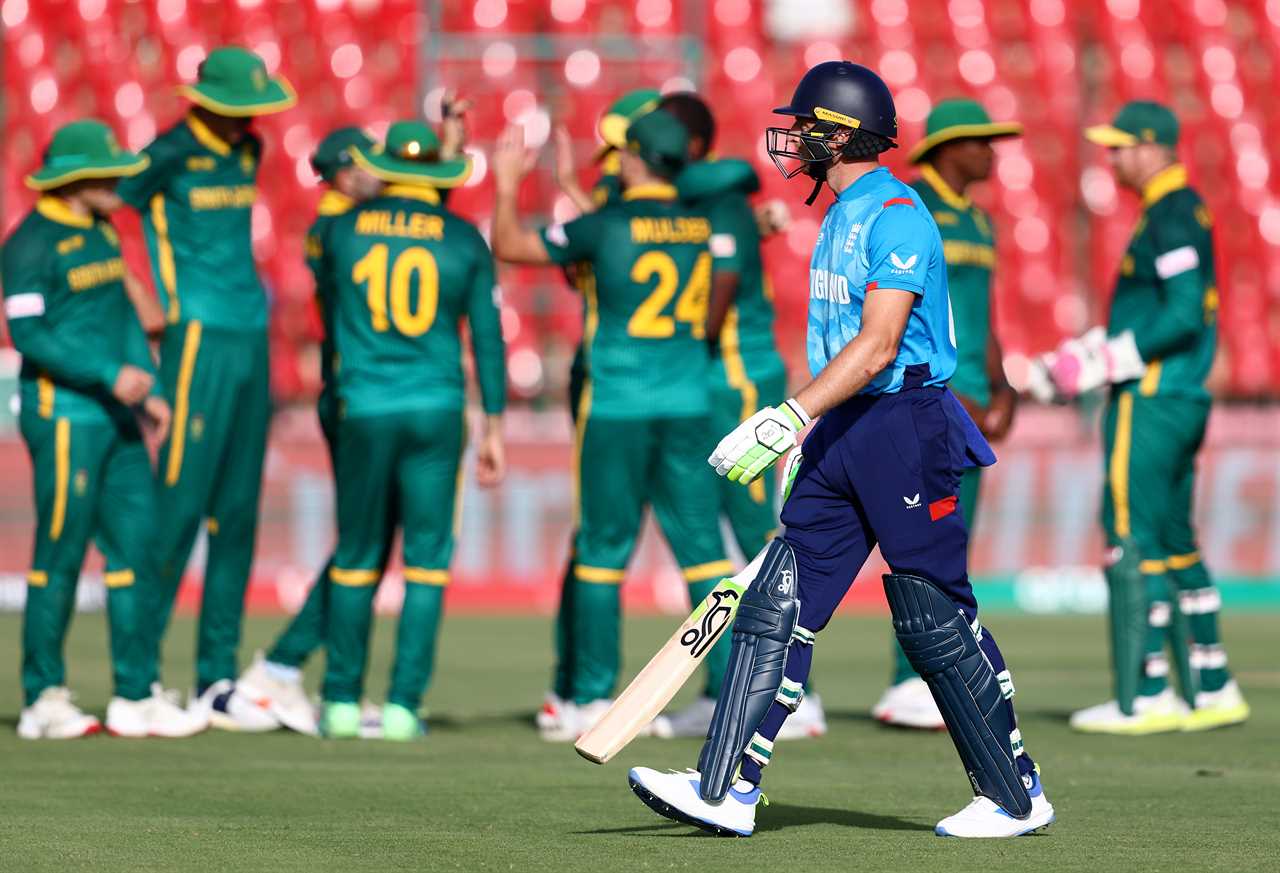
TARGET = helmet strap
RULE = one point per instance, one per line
(817, 186)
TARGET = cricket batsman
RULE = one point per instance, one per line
(196, 200)
(882, 466)
(277, 677)
(642, 424)
(405, 273)
(955, 154)
(1154, 356)
(87, 380)
(747, 373)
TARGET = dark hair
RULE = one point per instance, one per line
(691, 111)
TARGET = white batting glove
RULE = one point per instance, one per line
(755, 445)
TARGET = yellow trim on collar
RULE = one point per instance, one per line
(57, 209)
(425, 193)
(651, 192)
(945, 191)
(334, 203)
(1171, 178)
(207, 138)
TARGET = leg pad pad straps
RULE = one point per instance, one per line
(942, 647)
(762, 631)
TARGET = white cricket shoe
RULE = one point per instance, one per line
(674, 795)
(370, 720)
(984, 818)
(281, 688)
(557, 720)
(909, 704)
(807, 722)
(692, 721)
(156, 716)
(1215, 709)
(54, 717)
(1153, 714)
(226, 708)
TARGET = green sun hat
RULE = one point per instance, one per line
(959, 119)
(84, 150)
(233, 81)
(334, 151)
(411, 156)
(661, 141)
(1137, 122)
(626, 109)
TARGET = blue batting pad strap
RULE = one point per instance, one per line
(767, 618)
(940, 644)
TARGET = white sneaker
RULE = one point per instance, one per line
(808, 721)
(909, 704)
(557, 720)
(54, 717)
(1215, 709)
(692, 721)
(156, 716)
(226, 708)
(675, 796)
(1153, 714)
(984, 818)
(281, 688)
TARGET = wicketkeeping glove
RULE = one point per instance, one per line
(1092, 361)
(755, 445)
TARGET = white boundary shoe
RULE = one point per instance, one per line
(983, 818)
(284, 696)
(692, 721)
(227, 709)
(156, 716)
(909, 704)
(54, 717)
(674, 795)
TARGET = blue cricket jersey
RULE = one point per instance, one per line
(878, 234)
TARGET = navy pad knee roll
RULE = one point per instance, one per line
(767, 617)
(941, 646)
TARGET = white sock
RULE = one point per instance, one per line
(283, 672)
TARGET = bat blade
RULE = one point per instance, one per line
(665, 674)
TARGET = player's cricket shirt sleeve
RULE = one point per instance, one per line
(36, 295)
(576, 240)
(1182, 266)
(899, 247)
(730, 238)
(137, 191)
(484, 315)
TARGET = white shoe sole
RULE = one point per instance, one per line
(666, 810)
(1031, 828)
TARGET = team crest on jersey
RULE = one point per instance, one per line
(197, 427)
(81, 482)
(852, 237)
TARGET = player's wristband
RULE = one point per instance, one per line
(796, 413)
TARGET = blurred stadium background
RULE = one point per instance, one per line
(1061, 225)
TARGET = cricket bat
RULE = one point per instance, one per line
(663, 676)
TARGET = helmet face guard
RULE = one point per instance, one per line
(811, 149)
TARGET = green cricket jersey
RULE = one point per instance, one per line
(721, 187)
(404, 272)
(1166, 292)
(969, 250)
(646, 304)
(196, 201)
(332, 204)
(69, 314)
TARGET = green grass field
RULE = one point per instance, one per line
(483, 793)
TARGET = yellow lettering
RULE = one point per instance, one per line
(677, 229)
(223, 197)
(414, 225)
(70, 244)
(89, 276)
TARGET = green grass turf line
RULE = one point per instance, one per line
(483, 793)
